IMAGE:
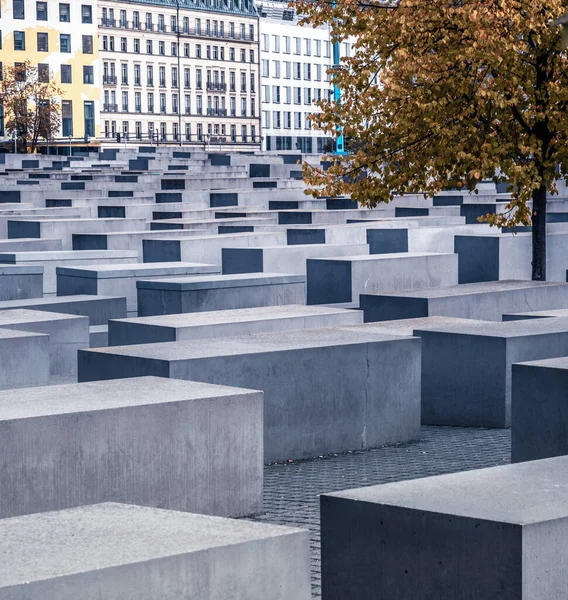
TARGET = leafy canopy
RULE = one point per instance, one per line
(445, 93)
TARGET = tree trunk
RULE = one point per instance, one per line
(539, 234)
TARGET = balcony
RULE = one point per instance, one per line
(216, 87)
(110, 107)
(109, 79)
(216, 112)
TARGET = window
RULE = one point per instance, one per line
(187, 104)
(149, 48)
(174, 77)
(231, 54)
(43, 73)
(137, 75)
(243, 107)
(124, 73)
(66, 76)
(287, 95)
(287, 70)
(265, 42)
(88, 74)
(162, 48)
(318, 72)
(198, 26)
(307, 96)
(297, 45)
(150, 102)
(65, 13)
(105, 42)
(186, 79)
(276, 119)
(215, 52)
(297, 95)
(187, 132)
(276, 68)
(199, 105)
(150, 75)
(174, 49)
(297, 120)
(41, 11)
(308, 44)
(251, 32)
(287, 120)
(19, 10)
(233, 133)
(327, 49)
(297, 70)
(186, 50)
(265, 68)
(199, 132)
(162, 72)
(233, 105)
(252, 81)
(124, 101)
(198, 80)
(286, 44)
(149, 25)
(307, 71)
(86, 13)
(89, 112)
(266, 93)
(208, 51)
(251, 56)
(161, 23)
(138, 127)
(42, 45)
(276, 43)
(243, 81)
(111, 43)
(233, 85)
(252, 107)
(162, 103)
(318, 48)
(197, 50)
(65, 43)
(186, 24)
(20, 71)
(19, 40)
(67, 118)
(87, 44)
(136, 20)
(173, 23)
(123, 44)
(244, 133)
(136, 46)
(276, 94)
(175, 104)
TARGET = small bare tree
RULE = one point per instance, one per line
(32, 109)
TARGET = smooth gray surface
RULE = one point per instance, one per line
(20, 283)
(124, 552)
(537, 314)
(24, 359)
(539, 419)
(225, 323)
(486, 300)
(326, 390)
(155, 442)
(440, 537)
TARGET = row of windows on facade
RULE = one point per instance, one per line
(296, 42)
(216, 106)
(208, 133)
(215, 79)
(294, 70)
(211, 52)
(289, 95)
(44, 73)
(309, 44)
(19, 11)
(283, 120)
(43, 42)
(211, 27)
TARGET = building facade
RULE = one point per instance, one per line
(294, 63)
(61, 38)
(182, 75)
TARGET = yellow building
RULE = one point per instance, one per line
(62, 38)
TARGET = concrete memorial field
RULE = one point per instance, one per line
(193, 351)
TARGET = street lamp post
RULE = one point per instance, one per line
(179, 70)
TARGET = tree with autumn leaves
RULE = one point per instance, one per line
(442, 94)
(31, 104)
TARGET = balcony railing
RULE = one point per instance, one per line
(213, 86)
(110, 107)
(216, 112)
(109, 79)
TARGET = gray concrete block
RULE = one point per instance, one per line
(124, 552)
(491, 533)
(485, 301)
(99, 309)
(539, 419)
(67, 334)
(218, 292)
(19, 283)
(466, 368)
(24, 358)
(154, 442)
(227, 323)
(536, 314)
(120, 279)
(326, 390)
(343, 279)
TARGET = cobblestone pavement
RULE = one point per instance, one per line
(291, 491)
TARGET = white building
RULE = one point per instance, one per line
(293, 69)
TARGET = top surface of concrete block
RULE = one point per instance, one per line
(50, 300)
(220, 281)
(465, 289)
(102, 536)
(22, 315)
(523, 493)
(538, 314)
(105, 395)
(8, 334)
(18, 257)
(507, 329)
(239, 315)
(407, 327)
(377, 257)
(249, 344)
(560, 363)
(136, 270)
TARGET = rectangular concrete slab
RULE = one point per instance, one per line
(537, 314)
(67, 334)
(124, 552)
(24, 358)
(490, 533)
(156, 442)
(326, 390)
(539, 418)
(218, 292)
(20, 283)
(225, 323)
(340, 280)
(487, 301)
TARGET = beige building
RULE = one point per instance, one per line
(186, 73)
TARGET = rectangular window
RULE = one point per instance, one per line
(136, 46)
(65, 13)
(65, 43)
(43, 73)
(123, 45)
(19, 40)
(297, 70)
(318, 48)
(149, 48)
(123, 21)
(89, 112)
(124, 101)
(66, 76)
(265, 68)
(276, 43)
(42, 43)
(124, 73)
(186, 50)
(286, 44)
(265, 42)
(137, 75)
(1, 120)
(150, 102)
(297, 45)
(276, 94)
(308, 44)
(88, 75)
(307, 71)
(86, 13)
(67, 118)
(87, 44)
(19, 10)
(162, 48)
(174, 49)
(41, 11)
